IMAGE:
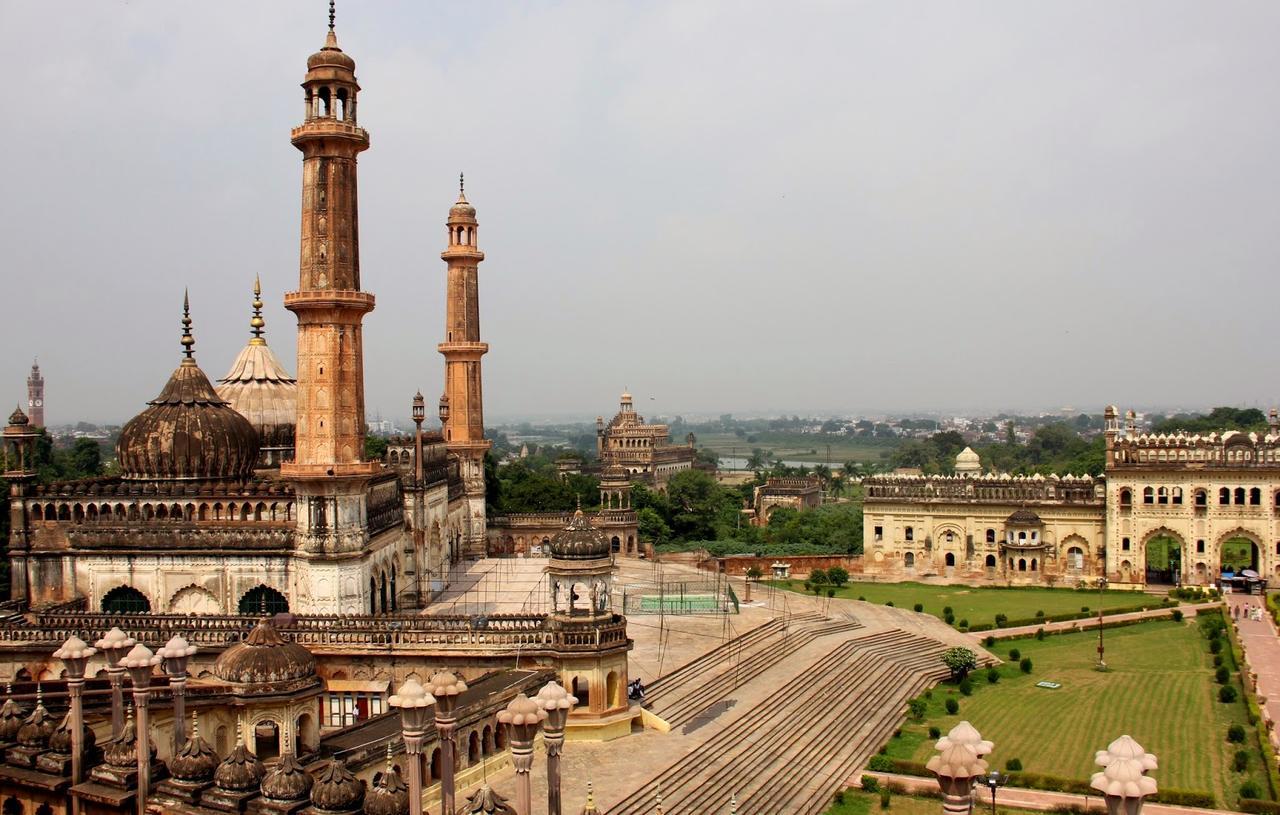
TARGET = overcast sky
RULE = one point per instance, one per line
(811, 207)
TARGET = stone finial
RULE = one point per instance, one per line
(591, 808)
(188, 341)
(485, 801)
(965, 733)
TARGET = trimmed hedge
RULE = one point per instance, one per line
(1186, 798)
(1259, 807)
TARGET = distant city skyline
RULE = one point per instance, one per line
(864, 208)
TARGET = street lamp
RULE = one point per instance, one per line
(175, 654)
(446, 688)
(556, 702)
(140, 662)
(75, 654)
(523, 717)
(419, 498)
(994, 780)
(1102, 584)
(413, 700)
(114, 645)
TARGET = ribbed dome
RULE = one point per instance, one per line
(259, 388)
(37, 729)
(337, 790)
(11, 716)
(330, 56)
(195, 762)
(240, 771)
(579, 541)
(287, 781)
(60, 741)
(485, 801)
(18, 418)
(265, 658)
(123, 752)
(389, 795)
(462, 210)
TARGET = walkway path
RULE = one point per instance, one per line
(1261, 653)
(1032, 799)
(1092, 622)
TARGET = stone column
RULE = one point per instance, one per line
(114, 645)
(556, 702)
(446, 688)
(413, 700)
(522, 717)
(140, 663)
(75, 654)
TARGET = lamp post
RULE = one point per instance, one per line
(556, 702)
(1102, 584)
(446, 688)
(140, 662)
(995, 780)
(75, 654)
(523, 717)
(114, 645)
(174, 655)
(421, 558)
(413, 700)
(1124, 782)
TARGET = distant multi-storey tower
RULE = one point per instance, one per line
(462, 406)
(35, 396)
(329, 468)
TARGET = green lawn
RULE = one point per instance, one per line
(800, 447)
(857, 802)
(1160, 689)
(981, 605)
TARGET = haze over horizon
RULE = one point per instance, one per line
(728, 207)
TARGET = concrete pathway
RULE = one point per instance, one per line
(1031, 799)
(1261, 653)
(1188, 610)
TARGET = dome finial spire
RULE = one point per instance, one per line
(256, 323)
(188, 341)
(332, 14)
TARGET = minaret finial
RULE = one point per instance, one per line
(389, 757)
(332, 14)
(462, 183)
(256, 323)
(188, 341)
(195, 725)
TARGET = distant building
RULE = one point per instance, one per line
(644, 450)
(35, 396)
(792, 493)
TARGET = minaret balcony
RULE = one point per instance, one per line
(345, 299)
(462, 349)
(323, 126)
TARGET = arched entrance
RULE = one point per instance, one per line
(1164, 559)
(266, 739)
(125, 600)
(263, 600)
(1237, 554)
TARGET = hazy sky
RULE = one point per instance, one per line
(723, 206)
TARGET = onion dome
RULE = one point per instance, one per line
(330, 55)
(337, 790)
(259, 388)
(123, 752)
(462, 209)
(240, 771)
(968, 461)
(18, 418)
(60, 741)
(389, 795)
(614, 473)
(11, 716)
(266, 658)
(287, 781)
(1024, 517)
(188, 432)
(195, 761)
(579, 541)
(485, 801)
(37, 728)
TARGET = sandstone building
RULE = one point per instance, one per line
(644, 450)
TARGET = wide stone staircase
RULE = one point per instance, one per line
(793, 745)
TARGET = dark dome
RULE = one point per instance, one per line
(266, 658)
(240, 771)
(11, 716)
(60, 741)
(37, 729)
(1024, 517)
(188, 432)
(123, 752)
(287, 781)
(195, 762)
(389, 795)
(18, 417)
(337, 790)
(579, 541)
(331, 56)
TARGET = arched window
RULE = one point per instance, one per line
(1176, 495)
(1224, 496)
(263, 600)
(1255, 497)
(125, 600)
(1162, 495)
(1240, 496)
(1202, 498)
(909, 560)
(1148, 495)
(951, 559)
(473, 748)
(1126, 497)
(1022, 564)
(991, 561)
(1033, 564)
(911, 533)
(582, 690)
(991, 536)
(1075, 558)
(12, 806)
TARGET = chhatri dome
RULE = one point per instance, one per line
(967, 462)
(187, 432)
(330, 56)
(261, 390)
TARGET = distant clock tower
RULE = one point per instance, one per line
(35, 396)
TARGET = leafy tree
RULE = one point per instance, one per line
(960, 661)
(652, 526)
(375, 447)
(837, 576)
(86, 457)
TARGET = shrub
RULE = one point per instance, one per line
(884, 797)
(989, 641)
(1221, 675)
(953, 707)
(935, 733)
(1013, 765)
(1025, 665)
(897, 733)
(1215, 646)
(880, 764)
(837, 576)
(1217, 660)
(964, 623)
(888, 603)
(949, 618)
(1177, 615)
(1249, 789)
(1235, 733)
(808, 586)
(870, 783)
(838, 797)
(862, 597)
(831, 592)
(817, 576)
(966, 687)
(1240, 762)
(1084, 609)
(1015, 654)
(917, 708)
(1226, 694)
(993, 676)
(1040, 613)
(946, 610)
(918, 607)
(1259, 807)
(960, 661)
(1001, 619)
(1187, 798)
(1040, 634)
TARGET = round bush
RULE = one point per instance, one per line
(1215, 646)
(948, 618)
(993, 676)
(1217, 660)
(1015, 654)
(964, 623)
(862, 597)
(831, 592)
(1039, 613)
(946, 610)
(1013, 765)
(918, 607)
(966, 687)
(888, 602)
(934, 733)
(1085, 609)
(989, 641)
(1040, 634)
(1249, 789)
(1235, 733)
(1240, 762)
(1177, 615)
(1025, 665)
(1226, 694)
(953, 707)
(1221, 675)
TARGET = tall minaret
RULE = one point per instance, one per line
(329, 469)
(462, 406)
(35, 396)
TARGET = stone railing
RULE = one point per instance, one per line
(251, 536)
